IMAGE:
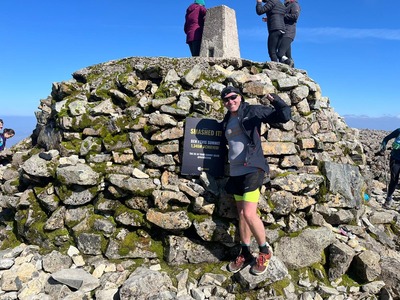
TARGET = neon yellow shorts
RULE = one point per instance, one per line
(252, 196)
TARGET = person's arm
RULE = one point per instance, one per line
(2, 142)
(294, 13)
(390, 136)
(203, 13)
(185, 27)
(262, 9)
(280, 113)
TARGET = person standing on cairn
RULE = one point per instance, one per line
(285, 47)
(275, 11)
(247, 167)
(194, 25)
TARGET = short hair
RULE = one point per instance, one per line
(9, 130)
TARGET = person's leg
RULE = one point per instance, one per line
(190, 48)
(196, 48)
(255, 225)
(249, 218)
(245, 257)
(250, 223)
(394, 179)
(273, 42)
(289, 55)
(285, 51)
(284, 45)
(289, 50)
(244, 229)
(279, 47)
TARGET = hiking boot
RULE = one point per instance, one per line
(239, 263)
(388, 203)
(261, 264)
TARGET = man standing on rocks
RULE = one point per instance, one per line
(248, 165)
(394, 164)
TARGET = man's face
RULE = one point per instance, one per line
(232, 102)
(8, 135)
(1, 126)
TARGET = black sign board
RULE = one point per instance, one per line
(203, 147)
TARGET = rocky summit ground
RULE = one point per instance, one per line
(28, 274)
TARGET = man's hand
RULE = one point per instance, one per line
(270, 98)
(381, 150)
(383, 147)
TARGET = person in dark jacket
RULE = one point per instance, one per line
(275, 12)
(7, 133)
(247, 167)
(194, 25)
(285, 47)
(394, 164)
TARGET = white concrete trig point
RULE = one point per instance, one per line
(220, 34)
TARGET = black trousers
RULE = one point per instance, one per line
(394, 176)
(195, 48)
(273, 43)
(285, 47)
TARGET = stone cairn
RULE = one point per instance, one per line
(220, 36)
(93, 204)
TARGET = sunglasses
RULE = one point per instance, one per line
(233, 97)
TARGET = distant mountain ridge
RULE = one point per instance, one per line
(387, 123)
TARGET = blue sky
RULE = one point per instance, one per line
(350, 48)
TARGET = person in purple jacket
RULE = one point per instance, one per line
(194, 25)
(7, 133)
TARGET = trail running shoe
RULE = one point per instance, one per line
(289, 62)
(261, 264)
(239, 263)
